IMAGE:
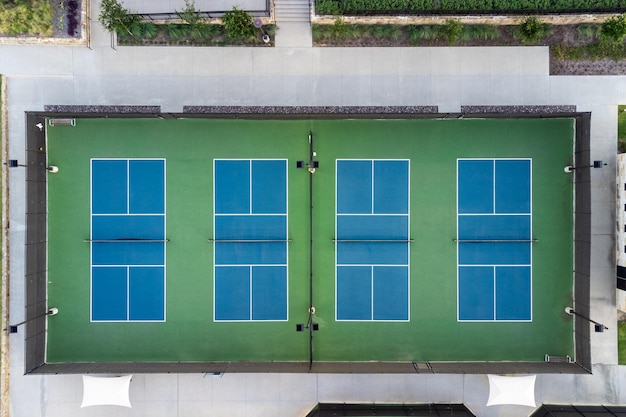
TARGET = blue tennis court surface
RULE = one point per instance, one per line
(494, 239)
(127, 240)
(372, 240)
(250, 239)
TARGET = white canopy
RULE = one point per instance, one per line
(513, 390)
(106, 391)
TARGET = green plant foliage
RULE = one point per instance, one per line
(601, 3)
(599, 50)
(588, 30)
(339, 29)
(393, 32)
(613, 29)
(363, 31)
(137, 30)
(200, 31)
(420, 5)
(331, 7)
(418, 33)
(176, 31)
(318, 32)
(41, 21)
(621, 327)
(270, 29)
(531, 30)
(451, 30)
(239, 24)
(521, 4)
(149, 30)
(414, 35)
(115, 18)
(428, 32)
(378, 31)
(27, 18)
(466, 4)
(190, 14)
(351, 7)
(479, 32)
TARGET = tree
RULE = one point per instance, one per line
(613, 29)
(190, 15)
(239, 24)
(116, 18)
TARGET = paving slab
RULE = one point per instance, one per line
(293, 35)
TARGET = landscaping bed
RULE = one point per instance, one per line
(576, 49)
(178, 34)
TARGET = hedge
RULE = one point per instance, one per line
(364, 7)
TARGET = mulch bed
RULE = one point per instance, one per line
(66, 19)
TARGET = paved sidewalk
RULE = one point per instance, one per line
(294, 35)
(290, 75)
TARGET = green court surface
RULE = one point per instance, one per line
(189, 331)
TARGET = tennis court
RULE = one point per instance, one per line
(210, 239)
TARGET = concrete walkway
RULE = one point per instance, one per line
(290, 75)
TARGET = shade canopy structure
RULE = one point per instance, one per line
(512, 390)
(106, 391)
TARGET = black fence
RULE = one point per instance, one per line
(36, 242)
(165, 16)
(365, 410)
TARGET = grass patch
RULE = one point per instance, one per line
(621, 128)
(621, 342)
(594, 51)
(26, 18)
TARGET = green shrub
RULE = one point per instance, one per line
(392, 32)
(190, 14)
(420, 5)
(562, 4)
(451, 30)
(466, 4)
(270, 29)
(318, 32)
(613, 29)
(378, 31)
(331, 7)
(521, 4)
(239, 24)
(339, 7)
(176, 31)
(421, 32)
(414, 34)
(588, 30)
(340, 29)
(363, 31)
(480, 32)
(531, 30)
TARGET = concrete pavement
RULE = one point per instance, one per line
(301, 75)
